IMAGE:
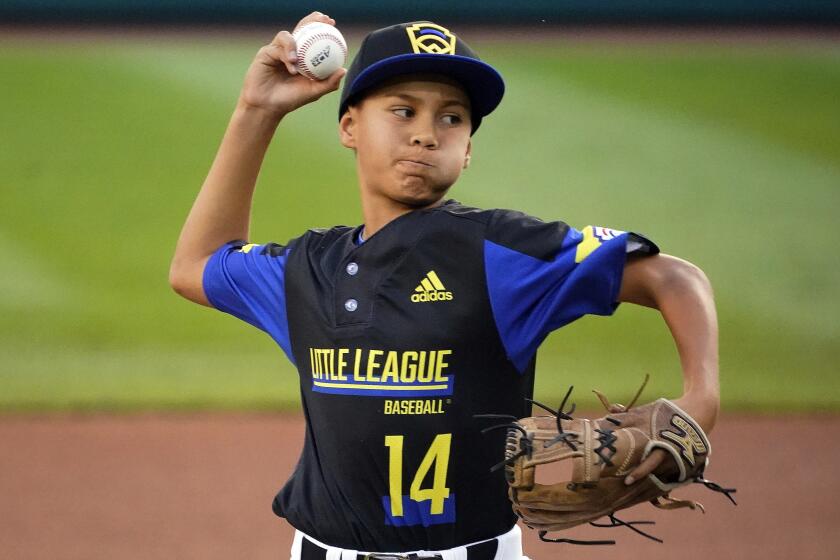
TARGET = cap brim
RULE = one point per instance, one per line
(484, 85)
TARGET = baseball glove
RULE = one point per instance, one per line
(602, 452)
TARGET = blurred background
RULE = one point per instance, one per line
(492, 12)
(712, 127)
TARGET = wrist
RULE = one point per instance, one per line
(257, 116)
(703, 405)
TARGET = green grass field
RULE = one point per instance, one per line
(728, 156)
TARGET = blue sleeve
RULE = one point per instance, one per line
(541, 276)
(247, 281)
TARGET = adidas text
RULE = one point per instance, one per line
(431, 296)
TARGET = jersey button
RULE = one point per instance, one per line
(352, 268)
(351, 304)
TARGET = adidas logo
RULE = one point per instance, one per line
(430, 289)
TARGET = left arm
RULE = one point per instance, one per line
(683, 294)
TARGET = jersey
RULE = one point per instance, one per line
(399, 343)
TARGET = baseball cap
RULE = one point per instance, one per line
(422, 47)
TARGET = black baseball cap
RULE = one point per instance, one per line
(422, 47)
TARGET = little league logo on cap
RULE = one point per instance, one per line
(430, 38)
(422, 47)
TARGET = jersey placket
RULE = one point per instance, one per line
(354, 290)
(363, 267)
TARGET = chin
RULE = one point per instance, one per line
(420, 194)
(418, 198)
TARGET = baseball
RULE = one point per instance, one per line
(321, 50)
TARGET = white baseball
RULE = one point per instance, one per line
(321, 50)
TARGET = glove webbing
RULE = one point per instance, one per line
(605, 452)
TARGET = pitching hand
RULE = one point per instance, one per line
(273, 83)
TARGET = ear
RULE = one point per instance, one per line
(468, 155)
(347, 128)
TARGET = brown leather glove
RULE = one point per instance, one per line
(603, 452)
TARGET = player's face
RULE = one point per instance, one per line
(411, 137)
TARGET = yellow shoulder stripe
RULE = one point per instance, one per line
(587, 245)
(248, 247)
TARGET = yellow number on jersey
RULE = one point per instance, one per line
(395, 445)
(437, 455)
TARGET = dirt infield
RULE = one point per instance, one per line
(200, 486)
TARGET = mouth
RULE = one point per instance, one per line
(415, 163)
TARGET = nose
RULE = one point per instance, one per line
(424, 134)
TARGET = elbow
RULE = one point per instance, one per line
(653, 281)
(180, 279)
(666, 278)
(186, 279)
(690, 277)
(681, 279)
(176, 278)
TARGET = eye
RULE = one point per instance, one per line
(403, 112)
(452, 119)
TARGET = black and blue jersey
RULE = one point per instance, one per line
(399, 341)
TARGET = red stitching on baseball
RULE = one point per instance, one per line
(304, 67)
(312, 38)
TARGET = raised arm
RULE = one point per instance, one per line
(682, 293)
(221, 211)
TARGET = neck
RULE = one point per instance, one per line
(378, 211)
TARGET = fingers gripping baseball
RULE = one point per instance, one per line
(315, 17)
(280, 52)
(323, 87)
(273, 82)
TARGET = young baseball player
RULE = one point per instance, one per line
(405, 327)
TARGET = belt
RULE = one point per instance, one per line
(480, 551)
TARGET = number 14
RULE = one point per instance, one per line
(437, 454)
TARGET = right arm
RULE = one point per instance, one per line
(222, 209)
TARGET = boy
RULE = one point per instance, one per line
(405, 327)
